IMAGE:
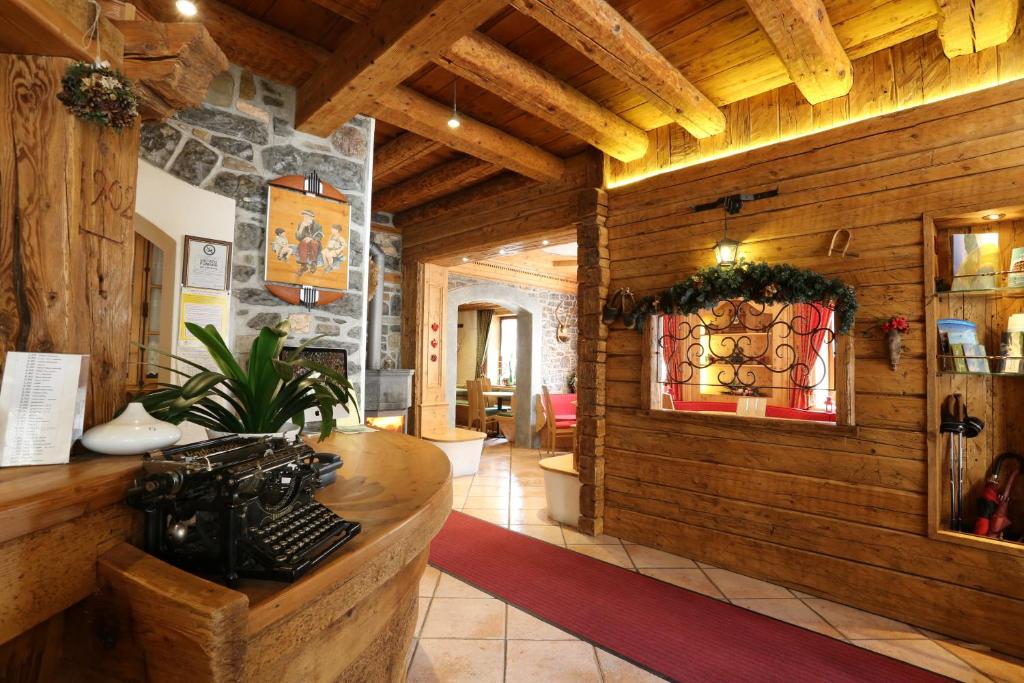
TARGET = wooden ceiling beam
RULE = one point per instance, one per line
(598, 31)
(400, 38)
(494, 67)
(172, 64)
(249, 42)
(396, 153)
(54, 28)
(476, 195)
(406, 108)
(967, 26)
(807, 44)
(436, 182)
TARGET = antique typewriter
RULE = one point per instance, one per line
(238, 506)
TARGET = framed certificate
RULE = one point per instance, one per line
(207, 263)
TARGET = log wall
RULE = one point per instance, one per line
(832, 511)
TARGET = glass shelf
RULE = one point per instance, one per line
(986, 374)
(991, 291)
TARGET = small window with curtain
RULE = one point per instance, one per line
(777, 361)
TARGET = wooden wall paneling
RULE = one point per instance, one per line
(71, 248)
(430, 407)
(893, 79)
(872, 487)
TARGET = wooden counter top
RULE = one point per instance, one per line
(347, 618)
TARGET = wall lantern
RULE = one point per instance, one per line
(727, 251)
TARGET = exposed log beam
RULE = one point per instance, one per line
(406, 108)
(432, 184)
(54, 28)
(597, 30)
(400, 151)
(807, 45)
(248, 42)
(967, 26)
(490, 65)
(504, 184)
(171, 64)
(399, 39)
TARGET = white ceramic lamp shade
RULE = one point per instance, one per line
(132, 432)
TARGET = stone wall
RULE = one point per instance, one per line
(387, 238)
(240, 138)
(558, 359)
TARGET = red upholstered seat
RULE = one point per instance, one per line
(563, 407)
(770, 411)
(565, 423)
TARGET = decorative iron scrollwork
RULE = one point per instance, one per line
(747, 343)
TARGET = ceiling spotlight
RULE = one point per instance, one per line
(503, 251)
(465, 259)
(545, 242)
(994, 216)
(186, 8)
(454, 121)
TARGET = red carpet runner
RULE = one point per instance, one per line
(674, 632)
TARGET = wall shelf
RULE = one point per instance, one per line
(997, 401)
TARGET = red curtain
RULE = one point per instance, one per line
(808, 346)
(669, 346)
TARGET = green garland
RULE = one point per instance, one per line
(97, 93)
(758, 282)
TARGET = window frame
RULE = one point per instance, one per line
(650, 390)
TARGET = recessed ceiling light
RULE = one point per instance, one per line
(546, 242)
(994, 216)
(503, 251)
(186, 8)
(465, 259)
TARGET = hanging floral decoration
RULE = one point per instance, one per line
(757, 282)
(97, 93)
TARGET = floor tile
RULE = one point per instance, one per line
(790, 610)
(520, 516)
(523, 626)
(705, 565)
(428, 582)
(487, 502)
(644, 557)
(491, 480)
(614, 554)
(551, 661)
(458, 661)
(528, 502)
(801, 594)
(545, 532)
(999, 667)
(499, 517)
(465, 618)
(489, 490)
(860, 625)
(927, 655)
(577, 538)
(690, 579)
(737, 586)
(618, 670)
(421, 614)
(451, 587)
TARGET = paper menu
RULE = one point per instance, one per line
(42, 407)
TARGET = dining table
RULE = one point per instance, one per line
(499, 395)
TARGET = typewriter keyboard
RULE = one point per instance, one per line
(296, 542)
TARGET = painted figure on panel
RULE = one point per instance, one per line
(296, 228)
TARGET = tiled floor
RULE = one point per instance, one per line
(464, 634)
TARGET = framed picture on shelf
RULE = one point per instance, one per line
(207, 263)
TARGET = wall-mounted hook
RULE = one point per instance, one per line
(845, 252)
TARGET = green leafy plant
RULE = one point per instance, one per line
(758, 282)
(259, 399)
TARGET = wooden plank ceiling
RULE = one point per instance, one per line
(539, 81)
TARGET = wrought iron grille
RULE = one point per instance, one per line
(746, 347)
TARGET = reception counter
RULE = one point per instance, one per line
(79, 598)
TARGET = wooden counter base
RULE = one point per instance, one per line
(351, 619)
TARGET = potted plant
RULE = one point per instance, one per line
(264, 397)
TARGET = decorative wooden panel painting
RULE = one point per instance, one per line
(307, 240)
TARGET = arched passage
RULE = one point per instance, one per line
(528, 373)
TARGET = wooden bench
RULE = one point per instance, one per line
(462, 446)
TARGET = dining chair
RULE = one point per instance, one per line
(555, 427)
(506, 420)
(481, 417)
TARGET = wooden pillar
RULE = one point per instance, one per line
(67, 203)
(593, 276)
(425, 319)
